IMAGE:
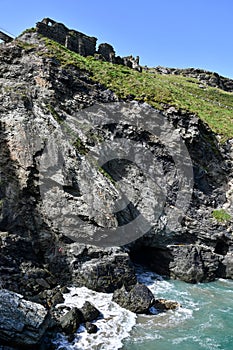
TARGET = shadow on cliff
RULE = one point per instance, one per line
(28, 248)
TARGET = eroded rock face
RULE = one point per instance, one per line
(228, 264)
(38, 99)
(103, 270)
(22, 323)
(193, 263)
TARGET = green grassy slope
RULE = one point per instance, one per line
(212, 105)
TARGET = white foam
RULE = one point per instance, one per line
(115, 325)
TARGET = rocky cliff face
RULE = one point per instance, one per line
(49, 181)
(205, 77)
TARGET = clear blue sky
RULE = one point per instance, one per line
(172, 33)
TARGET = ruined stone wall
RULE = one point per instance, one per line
(83, 44)
(73, 40)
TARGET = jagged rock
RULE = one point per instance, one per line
(71, 321)
(91, 328)
(228, 264)
(193, 263)
(138, 299)
(89, 312)
(22, 323)
(103, 270)
(40, 205)
(164, 305)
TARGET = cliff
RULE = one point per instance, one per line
(102, 165)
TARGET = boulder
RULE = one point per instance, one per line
(71, 321)
(89, 312)
(138, 299)
(91, 328)
(102, 270)
(164, 305)
(22, 323)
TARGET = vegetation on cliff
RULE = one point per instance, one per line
(214, 106)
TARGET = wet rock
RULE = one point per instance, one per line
(194, 263)
(103, 270)
(138, 299)
(22, 323)
(71, 321)
(91, 328)
(164, 305)
(89, 312)
(228, 265)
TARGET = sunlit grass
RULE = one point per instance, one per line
(212, 105)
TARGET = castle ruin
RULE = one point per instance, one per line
(83, 44)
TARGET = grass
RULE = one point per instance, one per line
(212, 105)
(221, 215)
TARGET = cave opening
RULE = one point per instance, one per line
(221, 247)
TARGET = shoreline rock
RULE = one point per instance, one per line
(22, 323)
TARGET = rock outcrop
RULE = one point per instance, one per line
(138, 299)
(22, 323)
(40, 204)
(55, 201)
(205, 77)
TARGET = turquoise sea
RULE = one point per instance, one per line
(205, 320)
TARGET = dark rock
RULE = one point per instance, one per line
(91, 328)
(57, 298)
(71, 321)
(22, 323)
(103, 270)
(138, 299)
(194, 263)
(228, 264)
(42, 282)
(164, 305)
(36, 104)
(89, 312)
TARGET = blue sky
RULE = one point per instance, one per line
(172, 33)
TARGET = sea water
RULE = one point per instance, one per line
(204, 320)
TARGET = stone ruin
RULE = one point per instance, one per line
(83, 44)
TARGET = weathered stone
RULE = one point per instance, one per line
(5, 37)
(164, 305)
(107, 51)
(22, 323)
(73, 40)
(104, 271)
(205, 77)
(228, 264)
(71, 321)
(91, 328)
(193, 263)
(89, 312)
(138, 299)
